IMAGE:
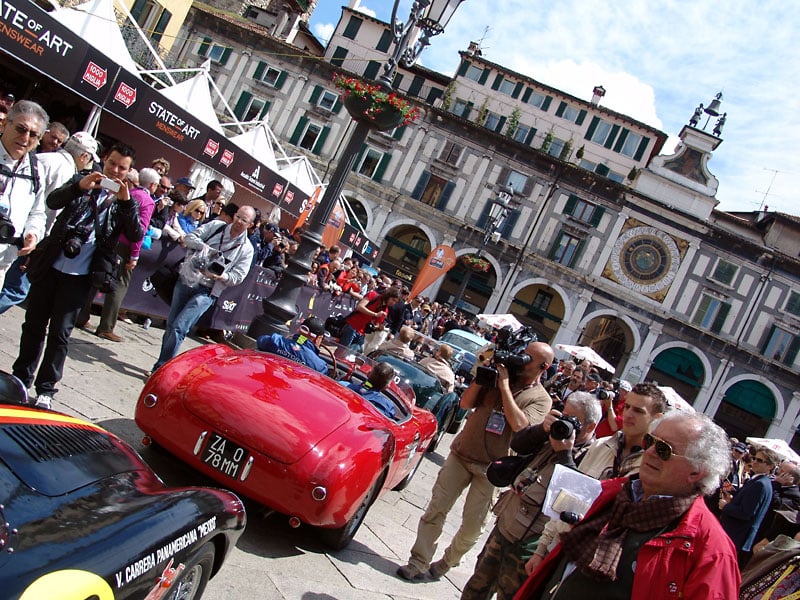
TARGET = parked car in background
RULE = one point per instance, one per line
(467, 346)
(82, 516)
(286, 436)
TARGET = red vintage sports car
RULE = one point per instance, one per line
(285, 436)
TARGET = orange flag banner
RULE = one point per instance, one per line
(335, 226)
(439, 261)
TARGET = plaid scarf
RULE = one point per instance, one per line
(595, 544)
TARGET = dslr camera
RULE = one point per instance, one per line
(215, 265)
(604, 394)
(75, 237)
(509, 351)
(7, 231)
(564, 426)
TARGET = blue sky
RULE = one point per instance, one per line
(657, 62)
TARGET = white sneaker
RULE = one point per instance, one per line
(44, 401)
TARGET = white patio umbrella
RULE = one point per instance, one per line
(675, 401)
(779, 446)
(586, 353)
(498, 321)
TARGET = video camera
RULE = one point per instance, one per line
(509, 351)
(7, 231)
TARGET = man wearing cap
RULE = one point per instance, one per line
(53, 138)
(302, 347)
(185, 186)
(55, 168)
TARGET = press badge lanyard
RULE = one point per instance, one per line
(497, 420)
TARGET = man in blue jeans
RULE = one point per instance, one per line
(232, 251)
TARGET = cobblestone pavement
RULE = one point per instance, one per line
(102, 380)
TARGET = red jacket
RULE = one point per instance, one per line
(696, 560)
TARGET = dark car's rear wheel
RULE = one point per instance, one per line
(191, 583)
(341, 537)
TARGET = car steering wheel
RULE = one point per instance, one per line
(333, 359)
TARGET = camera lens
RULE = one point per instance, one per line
(561, 430)
(72, 247)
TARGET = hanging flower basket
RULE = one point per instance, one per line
(372, 104)
(476, 263)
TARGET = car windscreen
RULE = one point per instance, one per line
(424, 384)
(462, 342)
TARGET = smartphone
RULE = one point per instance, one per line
(109, 184)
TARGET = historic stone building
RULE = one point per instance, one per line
(608, 242)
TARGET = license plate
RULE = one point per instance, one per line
(224, 456)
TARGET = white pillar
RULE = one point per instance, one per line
(677, 288)
(638, 368)
(569, 332)
(784, 428)
(710, 404)
(605, 253)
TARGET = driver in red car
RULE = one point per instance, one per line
(302, 348)
(379, 377)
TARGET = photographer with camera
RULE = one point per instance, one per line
(500, 411)
(613, 403)
(79, 253)
(220, 257)
(562, 438)
(22, 197)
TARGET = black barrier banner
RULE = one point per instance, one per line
(34, 37)
(365, 249)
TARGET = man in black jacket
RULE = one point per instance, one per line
(61, 268)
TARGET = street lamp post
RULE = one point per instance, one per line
(498, 213)
(426, 19)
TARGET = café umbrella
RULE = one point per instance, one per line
(586, 353)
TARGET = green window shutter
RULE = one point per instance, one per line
(398, 79)
(484, 76)
(467, 110)
(444, 197)
(612, 136)
(204, 46)
(338, 56)
(602, 170)
(241, 105)
(416, 85)
(551, 254)
(621, 139)
(527, 95)
(517, 90)
(298, 131)
(464, 68)
(226, 54)
(497, 81)
(321, 141)
(158, 30)
(281, 80)
(578, 252)
(385, 41)
(352, 27)
(581, 117)
(561, 108)
(481, 224)
(592, 126)
(500, 124)
(371, 72)
(530, 136)
(264, 111)
(546, 103)
(315, 94)
(511, 221)
(398, 132)
(640, 150)
(260, 68)
(422, 183)
(434, 95)
(768, 338)
(597, 215)
(569, 208)
(137, 9)
(337, 106)
(791, 353)
(719, 320)
(384, 162)
(358, 157)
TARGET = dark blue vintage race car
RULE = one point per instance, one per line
(81, 516)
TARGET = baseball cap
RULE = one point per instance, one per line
(625, 385)
(594, 377)
(740, 446)
(272, 227)
(185, 181)
(314, 325)
(88, 142)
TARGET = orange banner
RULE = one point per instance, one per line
(334, 227)
(439, 261)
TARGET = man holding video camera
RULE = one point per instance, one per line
(562, 438)
(78, 253)
(515, 403)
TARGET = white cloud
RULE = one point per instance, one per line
(324, 31)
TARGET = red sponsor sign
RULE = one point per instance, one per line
(276, 191)
(212, 147)
(289, 197)
(227, 158)
(95, 75)
(125, 94)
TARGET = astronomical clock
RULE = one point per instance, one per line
(645, 259)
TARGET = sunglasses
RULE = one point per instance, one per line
(761, 460)
(219, 204)
(32, 133)
(663, 449)
(198, 211)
